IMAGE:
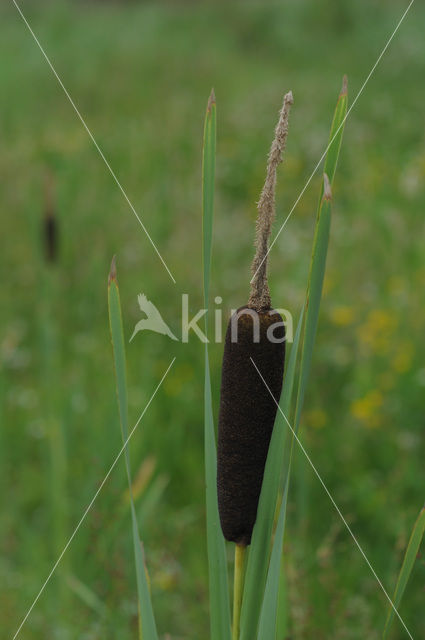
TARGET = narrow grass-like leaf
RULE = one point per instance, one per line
(217, 566)
(282, 604)
(314, 295)
(147, 626)
(320, 248)
(268, 617)
(267, 626)
(208, 182)
(406, 568)
(269, 610)
(272, 593)
(335, 135)
(312, 304)
(260, 548)
(258, 557)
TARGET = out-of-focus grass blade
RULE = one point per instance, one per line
(86, 595)
(406, 568)
(147, 626)
(259, 552)
(218, 582)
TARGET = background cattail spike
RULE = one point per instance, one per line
(50, 225)
(260, 294)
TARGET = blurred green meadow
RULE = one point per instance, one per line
(140, 73)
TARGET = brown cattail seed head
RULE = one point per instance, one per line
(247, 415)
(255, 338)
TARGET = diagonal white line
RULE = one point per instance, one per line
(336, 133)
(102, 155)
(333, 502)
(91, 503)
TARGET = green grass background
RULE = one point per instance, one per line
(141, 73)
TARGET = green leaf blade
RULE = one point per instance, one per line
(217, 565)
(320, 248)
(258, 558)
(218, 580)
(257, 576)
(147, 625)
(268, 616)
(336, 135)
(313, 298)
(208, 182)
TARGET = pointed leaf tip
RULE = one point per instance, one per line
(112, 271)
(344, 88)
(327, 192)
(211, 100)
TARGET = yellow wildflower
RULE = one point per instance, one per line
(403, 357)
(342, 316)
(378, 330)
(366, 409)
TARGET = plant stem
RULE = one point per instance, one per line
(238, 588)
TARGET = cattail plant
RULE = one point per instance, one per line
(255, 334)
(250, 456)
(248, 485)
